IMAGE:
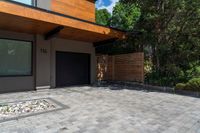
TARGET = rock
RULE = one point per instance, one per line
(25, 107)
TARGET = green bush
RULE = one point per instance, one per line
(180, 86)
(169, 76)
(193, 84)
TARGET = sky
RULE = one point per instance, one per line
(108, 4)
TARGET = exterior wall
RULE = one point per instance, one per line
(83, 9)
(72, 46)
(19, 83)
(45, 4)
(42, 62)
(35, 21)
(46, 59)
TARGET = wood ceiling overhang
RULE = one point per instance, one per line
(33, 20)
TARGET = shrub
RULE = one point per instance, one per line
(148, 66)
(193, 84)
(194, 71)
(168, 76)
(180, 86)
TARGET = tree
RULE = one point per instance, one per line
(125, 16)
(103, 17)
(171, 30)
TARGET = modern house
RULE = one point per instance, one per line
(49, 43)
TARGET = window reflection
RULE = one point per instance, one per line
(28, 2)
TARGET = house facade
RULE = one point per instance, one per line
(49, 43)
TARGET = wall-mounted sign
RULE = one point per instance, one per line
(43, 50)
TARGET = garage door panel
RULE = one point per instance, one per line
(72, 69)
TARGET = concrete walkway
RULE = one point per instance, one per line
(102, 110)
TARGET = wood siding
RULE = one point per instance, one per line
(29, 20)
(83, 9)
(125, 67)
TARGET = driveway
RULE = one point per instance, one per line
(103, 110)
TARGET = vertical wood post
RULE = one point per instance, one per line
(142, 72)
(113, 67)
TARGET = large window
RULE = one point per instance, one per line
(15, 58)
(28, 2)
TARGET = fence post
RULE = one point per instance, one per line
(113, 67)
(143, 78)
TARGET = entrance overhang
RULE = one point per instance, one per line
(33, 20)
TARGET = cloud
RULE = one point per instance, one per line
(100, 5)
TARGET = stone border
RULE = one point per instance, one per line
(139, 86)
(61, 107)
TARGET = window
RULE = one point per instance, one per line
(15, 58)
(28, 2)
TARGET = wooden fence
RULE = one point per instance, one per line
(124, 67)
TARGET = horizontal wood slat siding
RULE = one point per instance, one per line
(24, 19)
(125, 67)
(83, 9)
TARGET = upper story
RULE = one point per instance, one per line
(70, 19)
(83, 9)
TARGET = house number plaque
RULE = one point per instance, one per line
(43, 50)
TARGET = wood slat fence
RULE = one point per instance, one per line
(124, 67)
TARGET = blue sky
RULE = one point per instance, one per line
(108, 4)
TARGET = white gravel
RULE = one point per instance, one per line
(18, 108)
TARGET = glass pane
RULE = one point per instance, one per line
(15, 57)
(28, 2)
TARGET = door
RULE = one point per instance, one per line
(72, 69)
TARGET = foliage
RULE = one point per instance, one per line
(170, 37)
(103, 17)
(180, 86)
(171, 32)
(125, 16)
(147, 67)
(165, 77)
(119, 47)
(191, 85)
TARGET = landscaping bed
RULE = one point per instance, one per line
(23, 108)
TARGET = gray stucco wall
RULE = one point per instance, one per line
(72, 46)
(45, 4)
(44, 61)
(20, 83)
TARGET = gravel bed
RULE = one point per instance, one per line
(20, 108)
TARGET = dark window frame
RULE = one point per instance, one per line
(28, 75)
(34, 3)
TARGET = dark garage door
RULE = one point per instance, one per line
(72, 69)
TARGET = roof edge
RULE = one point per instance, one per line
(60, 14)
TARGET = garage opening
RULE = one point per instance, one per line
(72, 69)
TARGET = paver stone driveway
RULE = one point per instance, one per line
(103, 110)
